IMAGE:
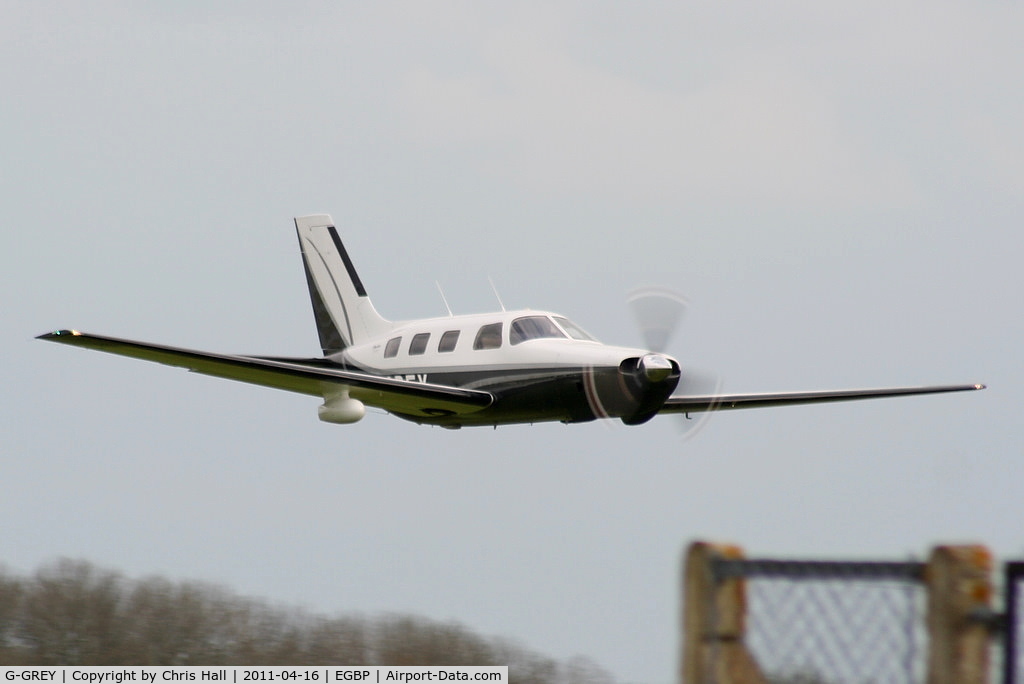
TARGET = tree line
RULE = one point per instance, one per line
(70, 612)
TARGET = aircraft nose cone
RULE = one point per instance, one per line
(655, 367)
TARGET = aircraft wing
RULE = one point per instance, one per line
(719, 402)
(315, 377)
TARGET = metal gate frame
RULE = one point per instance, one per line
(958, 619)
(1013, 575)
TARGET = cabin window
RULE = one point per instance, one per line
(489, 337)
(391, 350)
(448, 340)
(418, 344)
(532, 328)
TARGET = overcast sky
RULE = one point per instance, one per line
(838, 189)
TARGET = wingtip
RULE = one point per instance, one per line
(979, 386)
(57, 334)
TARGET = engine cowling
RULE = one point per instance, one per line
(651, 379)
(342, 410)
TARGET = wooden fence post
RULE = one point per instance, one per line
(959, 585)
(714, 622)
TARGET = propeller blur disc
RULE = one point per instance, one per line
(658, 312)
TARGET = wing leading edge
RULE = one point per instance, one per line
(315, 377)
(721, 402)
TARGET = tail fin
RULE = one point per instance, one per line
(344, 314)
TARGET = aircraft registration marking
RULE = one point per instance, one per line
(412, 377)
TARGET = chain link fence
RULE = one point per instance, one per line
(834, 622)
(765, 621)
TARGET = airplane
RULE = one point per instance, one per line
(487, 369)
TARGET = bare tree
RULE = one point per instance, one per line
(405, 640)
(10, 601)
(71, 613)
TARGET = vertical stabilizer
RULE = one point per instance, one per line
(344, 314)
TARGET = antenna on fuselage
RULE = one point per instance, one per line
(498, 296)
(444, 299)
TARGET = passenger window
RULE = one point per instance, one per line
(448, 340)
(532, 328)
(391, 350)
(418, 344)
(489, 337)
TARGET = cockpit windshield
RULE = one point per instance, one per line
(532, 328)
(575, 331)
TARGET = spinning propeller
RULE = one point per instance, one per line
(658, 312)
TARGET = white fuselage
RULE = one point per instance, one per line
(527, 358)
(482, 365)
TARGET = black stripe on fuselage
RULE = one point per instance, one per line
(526, 399)
(360, 290)
(521, 395)
(496, 378)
